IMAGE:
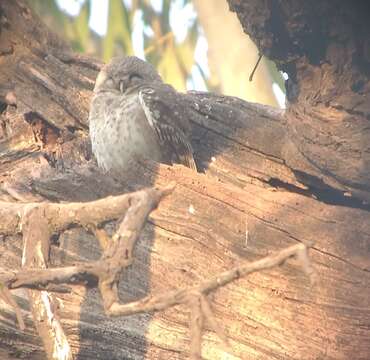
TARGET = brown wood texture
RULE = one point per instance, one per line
(247, 203)
(324, 48)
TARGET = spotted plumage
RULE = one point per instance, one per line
(134, 115)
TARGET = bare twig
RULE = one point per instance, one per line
(196, 325)
(176, 297)
(38, 221)
(255, 67)
(117, 255)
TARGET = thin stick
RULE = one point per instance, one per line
(255, 67)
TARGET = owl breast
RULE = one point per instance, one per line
(120, 133)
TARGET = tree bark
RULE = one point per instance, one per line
(324, 48)
(257, 194)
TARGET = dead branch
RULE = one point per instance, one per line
(108, 269)
(176, 297)
(38, 221)
(195, 297)
(36, 246)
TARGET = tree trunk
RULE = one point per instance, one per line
(324, 47)
(261, 189)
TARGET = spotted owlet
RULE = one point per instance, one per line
(134, 115)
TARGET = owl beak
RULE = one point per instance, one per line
(102, 76)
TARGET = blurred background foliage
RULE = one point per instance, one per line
(195, 44)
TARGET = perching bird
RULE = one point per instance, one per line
(134, 115)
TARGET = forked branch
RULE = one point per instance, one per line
(40, 220)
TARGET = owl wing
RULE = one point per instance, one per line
(166, 116)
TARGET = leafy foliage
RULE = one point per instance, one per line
(174, 58)
(157, 40)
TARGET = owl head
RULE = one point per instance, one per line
(124, 74)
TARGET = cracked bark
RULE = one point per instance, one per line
(253, 182)
(324, 48)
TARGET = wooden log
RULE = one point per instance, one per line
(247, 203)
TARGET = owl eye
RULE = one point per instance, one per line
(134, 77)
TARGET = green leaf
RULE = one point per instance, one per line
(119, 31)
(81, 27)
